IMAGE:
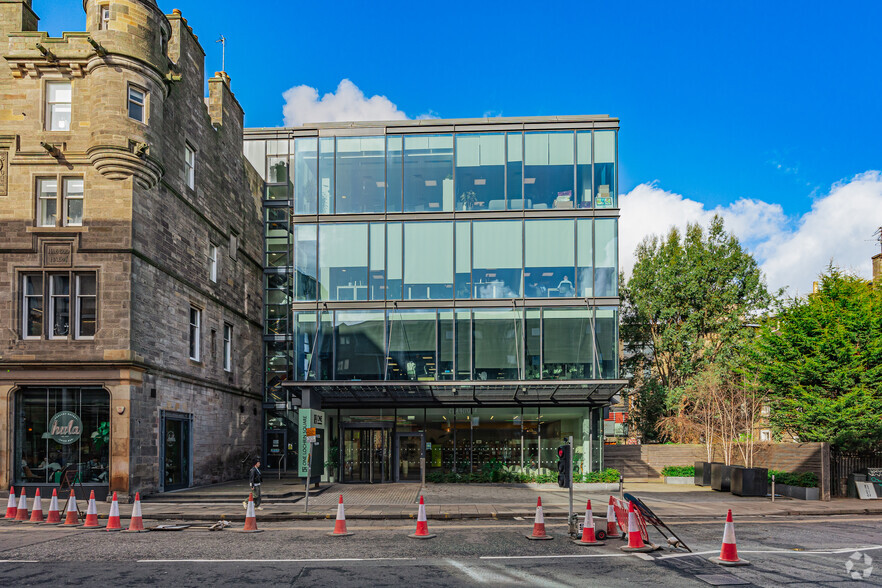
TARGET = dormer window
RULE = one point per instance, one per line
(103, 17)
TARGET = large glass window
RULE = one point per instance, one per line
(428, 173)
(361, 175)
(394, 258)
(585, 256)
(446, 348)
(498, 344)
(279, 368)
(343, 261)
(394, 172)
(463, 342)
(583, 169)
(607, 334)
(548, 170)
(326, 175)
(59, 306)
(514, 170)
(428, 261)
(605, 169)
(412, 345)
(62, 432)
(549, 265)
(360, 353)
(66, 307)
(86, 306)
(566, 344)
(305, 175)
(58, 101)
(278, 237)
(277, 303)
(378, 261)
(480, 172)
(497, 257)
(305, 266)
(463, 263)
(305, 342)
(278, 185)
(533, 343)
(606, 257)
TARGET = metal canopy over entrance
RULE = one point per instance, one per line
(341, 394)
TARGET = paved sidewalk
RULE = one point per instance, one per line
(467, 501)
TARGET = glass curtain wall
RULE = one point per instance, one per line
(359, 337)
(428, 173)
(361, 175)
(412, 345)
(606, 263)
(305, 166)
(549, 259)
(496, 257)
(428, 261)
(548, 170)
(343, 261)
(480, 171)
(604, 169)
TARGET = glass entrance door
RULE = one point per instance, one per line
(366, 455)
(176, 453)
(409, 450)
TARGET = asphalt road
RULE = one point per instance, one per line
(784, 551)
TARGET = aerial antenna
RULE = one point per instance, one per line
(223, 42)
(878, 235)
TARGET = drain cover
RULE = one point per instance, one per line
(170, 527)
(721, 579)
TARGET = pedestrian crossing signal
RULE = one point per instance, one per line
(563, 466)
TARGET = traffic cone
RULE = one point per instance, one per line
(588, 537)
(729, 553)
(136, 525)
(11, 508)
(22, 513)
(250, 518)
(635, 540)
(91, 514)
(37, 512)
(113, 517)
(422, 529)
(53, 517)
(340, 524)
(539, 524)
(72, 518)
(612, 525)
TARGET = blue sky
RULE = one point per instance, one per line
(719, 101)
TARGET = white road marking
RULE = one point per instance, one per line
(579, 556)
(479, 575)
(323, 560)
(777, 551)
(18, 561)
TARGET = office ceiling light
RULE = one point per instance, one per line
(431, 183)
(381, 184)
(490, 275)
(547, 274)
(529, 180)
(480, 182)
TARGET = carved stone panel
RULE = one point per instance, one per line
(57, 255)
(4, 172)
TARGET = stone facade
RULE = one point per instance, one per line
(145, 233)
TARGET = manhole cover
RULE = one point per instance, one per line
(170, 527)
(722, 579)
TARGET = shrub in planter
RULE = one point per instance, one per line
(678, 471)
(803, 486)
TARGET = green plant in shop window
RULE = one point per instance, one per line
(101, 436)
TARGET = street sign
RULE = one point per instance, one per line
(310, 435)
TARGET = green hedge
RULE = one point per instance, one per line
(803, 480)
(495, 472)
(678, 471)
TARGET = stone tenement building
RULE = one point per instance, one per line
(130, 257)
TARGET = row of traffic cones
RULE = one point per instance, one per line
(19, 512)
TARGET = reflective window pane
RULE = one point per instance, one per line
(607, 322)
(343, 262)
(567, 347)
(480, 172)
(361, 175)
(584, 256)
(360, 349)
(533, 344)
(583, 169)
(446, 340)
(428, 173)
(604, 169)
(305, 266)
(549, 265)
(463, 338)
(394, 258)
(394, 172)
(497, 259)
(514, 170)
(305, 175)
(548, 170)
(463, 268)
(326, 175)
(606, 257)
(378, 262)
(498, 345)
(304, 345)
(412, 345)
(428, 261)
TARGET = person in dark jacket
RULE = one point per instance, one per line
(254, 480)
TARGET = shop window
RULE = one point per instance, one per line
(58, 106)
(62, 433)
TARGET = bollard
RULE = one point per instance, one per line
(773, 487)
(622, 488)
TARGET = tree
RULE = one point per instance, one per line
(684, 308)
(820, 358)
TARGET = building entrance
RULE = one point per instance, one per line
(409, 451)
(176, 466)
(366, 450)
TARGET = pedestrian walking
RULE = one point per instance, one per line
(254, 480)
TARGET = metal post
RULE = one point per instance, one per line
(773, 487)
(308, 472)
(571, 519)
(423, 471)
(622, 488)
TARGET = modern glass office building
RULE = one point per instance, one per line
(440, 289)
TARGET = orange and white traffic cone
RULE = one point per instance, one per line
(635, 539)
(136, 525)
(340, 523)
(113, 517)
(53, 517)
(729, 553)
(22, 513)
(72, 518)
(250, 518)
(539, 524)
(11, 507)
(612, 525)
(37, 512)
(422, 529)
(588, 537)
(91, 514)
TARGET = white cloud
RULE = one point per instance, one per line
(348, 103)
(791, 250)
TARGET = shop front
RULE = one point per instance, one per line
(62, 438)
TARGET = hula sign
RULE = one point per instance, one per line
(65, 427)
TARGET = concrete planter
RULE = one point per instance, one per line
(679, 479)
(798, 492)
(702, 473)
(749, 481)
(720, 476)
(581, 486)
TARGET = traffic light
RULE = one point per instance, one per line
(563, 466)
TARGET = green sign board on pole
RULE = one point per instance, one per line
(308, 418)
